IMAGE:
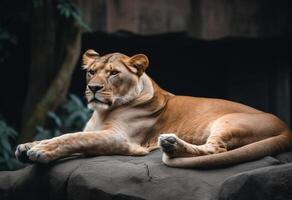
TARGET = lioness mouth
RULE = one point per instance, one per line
(95, 100)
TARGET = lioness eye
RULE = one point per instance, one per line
(91, 72)
(114, 72)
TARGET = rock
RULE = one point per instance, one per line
(269, 183)
(145, 177)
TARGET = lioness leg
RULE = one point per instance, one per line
(88, 143)
(176, 147)
(227, 132)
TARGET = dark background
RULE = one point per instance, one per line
(251, 71)
(238, 50)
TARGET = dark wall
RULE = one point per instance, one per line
(211, 19)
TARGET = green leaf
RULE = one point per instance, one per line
(6, 156)
(67, 13)
(67, 9)
(55, 118)
(82, 23)
(43, 133)
(11, 132)
(57, 133)
(40, 129)
(76, 100)
(6, 146)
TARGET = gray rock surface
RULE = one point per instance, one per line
(146, 177)
(273, 182)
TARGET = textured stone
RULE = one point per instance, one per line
(201, 19)
(146, 177)
(273, 182)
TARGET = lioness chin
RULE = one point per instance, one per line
(130, 113)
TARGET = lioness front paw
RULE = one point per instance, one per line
(39, 154)
(21, 152)
(44, 152)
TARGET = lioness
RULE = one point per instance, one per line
(131, 111)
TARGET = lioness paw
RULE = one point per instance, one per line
(21, 152)
(36, 154)
(44, 152)
(167, 142)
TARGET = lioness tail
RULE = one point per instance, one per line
(253, 151)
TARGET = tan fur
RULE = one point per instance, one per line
(131, 111)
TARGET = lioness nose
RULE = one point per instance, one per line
(95, 88)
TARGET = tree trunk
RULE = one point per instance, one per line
(55, 52)
(44, 24)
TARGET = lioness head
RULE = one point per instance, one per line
(112, 79)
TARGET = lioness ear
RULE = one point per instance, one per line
(138, 63)
(88, 57)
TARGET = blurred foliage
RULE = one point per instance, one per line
(7, 158)
(67, 9)
(70, 117)
(7, 41)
